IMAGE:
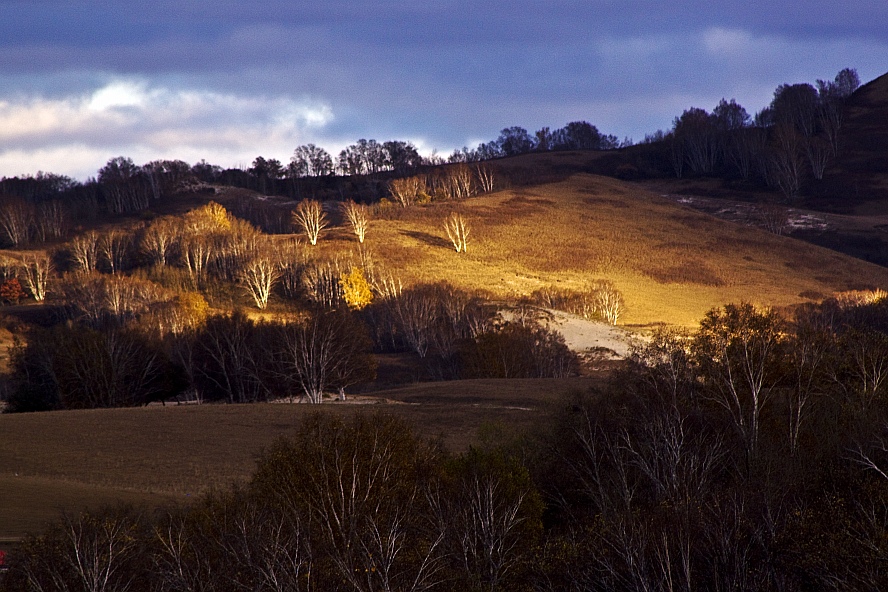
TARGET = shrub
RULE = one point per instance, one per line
(518, 351)
(11, 291)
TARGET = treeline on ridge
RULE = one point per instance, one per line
(787, 146)
(45, 206)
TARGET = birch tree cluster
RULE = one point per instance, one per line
(460, 334)
(598, 300)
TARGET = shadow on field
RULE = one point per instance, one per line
(425, 237)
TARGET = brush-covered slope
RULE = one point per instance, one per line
(671, 263)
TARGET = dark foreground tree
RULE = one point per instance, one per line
(362, 486)
(73, 367)
(327, 350)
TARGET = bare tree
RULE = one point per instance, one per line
(677, 155)
(259, 276)
(35, 271)
(486, 179)
(487, 529)
(680, 463)
(51, 221)
(16, 219)
(609, 303)
(126, 297)
(229, 360)
(114, 248)
(310, 217)
(268, 549)
(158, 240)
(415, 312)
(363, 486)
(386, 286)
(787, 160)
(92, 553)
(183, 561)
(124, 186)
(695, 129)
(321, 282)
(744, 147)
(326, 350)
(490, 510)
(85, 291)
(196, 251)
(407, 190)
(234, 248)
(864, 355)
(358, 216)
(809, 349)
(738, 351)
(462, 181)
(291, 266)
(458, 231)
(85, 250)
(819, 153)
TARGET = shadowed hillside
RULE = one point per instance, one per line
(862, 166)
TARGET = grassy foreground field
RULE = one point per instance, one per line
(671, 263)
(157, 455)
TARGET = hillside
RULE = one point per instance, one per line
(671, 263)
(861, 166)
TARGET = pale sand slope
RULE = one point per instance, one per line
(580, 335)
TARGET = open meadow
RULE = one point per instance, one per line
(158, 455)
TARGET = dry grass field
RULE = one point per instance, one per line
(157, 455)
(671, 263)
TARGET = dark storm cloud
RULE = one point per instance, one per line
(439, 73)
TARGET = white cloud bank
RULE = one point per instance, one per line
(76, 135)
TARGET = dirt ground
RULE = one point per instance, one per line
(583, 335)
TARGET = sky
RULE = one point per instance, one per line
(84, 81)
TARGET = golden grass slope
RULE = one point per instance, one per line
(671, 263)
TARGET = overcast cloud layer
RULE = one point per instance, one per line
(83, 81)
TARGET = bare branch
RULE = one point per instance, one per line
(310, 217)
(457, 231)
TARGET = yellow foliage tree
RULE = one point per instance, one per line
(194, 308)
(210, 218)
(355, 289)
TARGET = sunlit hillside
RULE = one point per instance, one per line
(671, 263)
